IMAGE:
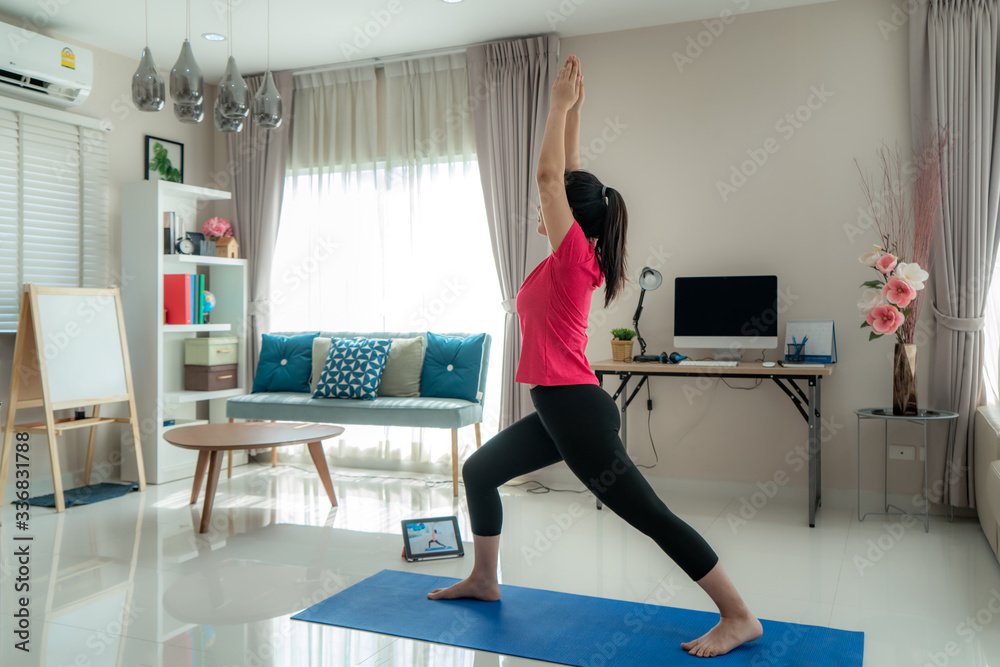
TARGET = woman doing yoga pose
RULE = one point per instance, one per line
(575, 420)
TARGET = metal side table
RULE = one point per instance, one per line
(923, 417)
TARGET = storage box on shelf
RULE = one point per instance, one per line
(158, 349)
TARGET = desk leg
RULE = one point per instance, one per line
(813, 454)
(927, 492)
(819, 443)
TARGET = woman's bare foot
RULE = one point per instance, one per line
(724, 637)
(477, 589)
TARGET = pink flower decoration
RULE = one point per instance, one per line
(885, 319)
(898, 292)
(217, 227)
(886, 263)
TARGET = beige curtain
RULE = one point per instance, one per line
(258, 160)
(954, 83)
(427, 112)
(509, 85)
(335, 122)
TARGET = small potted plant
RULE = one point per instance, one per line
(621, 344)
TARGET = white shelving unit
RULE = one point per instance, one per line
(157, 349)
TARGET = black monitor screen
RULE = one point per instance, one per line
(726, 306)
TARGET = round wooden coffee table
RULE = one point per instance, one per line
(211, 440)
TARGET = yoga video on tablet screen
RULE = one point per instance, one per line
(432, 538)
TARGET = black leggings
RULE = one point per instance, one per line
(579, 424)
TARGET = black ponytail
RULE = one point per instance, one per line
(601, 213)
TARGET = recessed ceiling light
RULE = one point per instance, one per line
(214, 37)
(451, 1)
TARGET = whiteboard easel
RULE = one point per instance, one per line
(70, 352)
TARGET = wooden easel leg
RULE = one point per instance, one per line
(90, 448)
(137, 441)
(454, 462)
(479, 438)
(8, 446)
(57, 487)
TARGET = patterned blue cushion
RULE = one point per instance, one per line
(285, 363)
(353, 368)
(451, 367)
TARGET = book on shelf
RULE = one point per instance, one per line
(177, 298)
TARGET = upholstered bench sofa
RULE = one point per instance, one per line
(987, 472)
(415, 411)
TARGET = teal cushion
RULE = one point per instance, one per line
(451, 367)
(285, 363)
(353, 368)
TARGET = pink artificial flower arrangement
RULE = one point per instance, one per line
(217, 227)
(904, 210)
(886, 303)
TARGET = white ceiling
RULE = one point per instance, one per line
(307, 33)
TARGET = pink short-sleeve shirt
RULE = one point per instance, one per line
(553, 305)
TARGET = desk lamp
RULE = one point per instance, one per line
(649, 280)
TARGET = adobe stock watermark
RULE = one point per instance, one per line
(30, 27)
(797, 459)
(697, 44)
(372, 29)
(970, 628)
(786, 126)
(596, 147)
(545, 538)
(433, 309)
(607, 648)
(565, 9)
(898, 18)
(655, 259)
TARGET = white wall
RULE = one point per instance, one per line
(111, 99)
(665, 135)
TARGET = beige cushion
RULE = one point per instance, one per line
(401, 376)
(321, 347)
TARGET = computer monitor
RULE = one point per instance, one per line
(726, 313)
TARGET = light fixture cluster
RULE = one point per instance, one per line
(187, 86)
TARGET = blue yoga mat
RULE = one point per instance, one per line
(567, 629)
(84, 495)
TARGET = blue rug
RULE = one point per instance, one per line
(84, 495)
(567, 629)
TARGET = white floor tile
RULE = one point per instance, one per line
(131, 582)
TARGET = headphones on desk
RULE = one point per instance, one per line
(671, 358)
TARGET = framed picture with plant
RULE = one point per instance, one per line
(164, 160)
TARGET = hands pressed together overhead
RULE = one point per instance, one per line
(567, 91)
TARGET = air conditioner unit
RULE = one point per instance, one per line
(41, 69)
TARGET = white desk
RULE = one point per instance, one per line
(625, 370)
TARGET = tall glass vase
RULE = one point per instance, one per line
(904, 379)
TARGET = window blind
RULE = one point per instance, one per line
(53, 207)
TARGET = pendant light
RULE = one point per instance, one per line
(189, 113)
(267, 101)
(224, 124)
(148, 89)
(234, 95)
(187, 85)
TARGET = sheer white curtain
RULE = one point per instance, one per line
(991, 370)
(393, 243)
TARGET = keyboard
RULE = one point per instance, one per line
(713, 362)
